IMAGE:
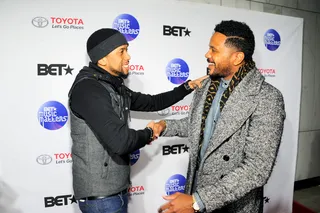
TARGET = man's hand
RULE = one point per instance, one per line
(151, 124)
(197, 83)
(179, 203)
(158, 128)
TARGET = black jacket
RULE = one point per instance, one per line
(90, 101)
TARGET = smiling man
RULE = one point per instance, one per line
(99, 109)
(234, 128)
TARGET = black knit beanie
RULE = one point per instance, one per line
(104, 41)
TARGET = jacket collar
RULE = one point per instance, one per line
(104, 75)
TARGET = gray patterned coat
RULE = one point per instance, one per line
(242, 150)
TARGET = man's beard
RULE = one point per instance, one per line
(219, 72)
(121, 75)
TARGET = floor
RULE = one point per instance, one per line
(307, 193)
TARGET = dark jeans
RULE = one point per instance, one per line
(117, 203)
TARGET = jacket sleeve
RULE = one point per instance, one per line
(261, 148)
(176, 128)
(91, 102)
(146, 102)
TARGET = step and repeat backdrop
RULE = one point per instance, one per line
(43, 47)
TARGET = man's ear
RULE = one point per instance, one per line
(239, 57)
(103, 61)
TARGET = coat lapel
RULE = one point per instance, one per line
(240, 105)
(195, 117)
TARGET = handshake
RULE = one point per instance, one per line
(156, 129)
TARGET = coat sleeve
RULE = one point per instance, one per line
(261, 148)
(180, 127)
(176, 128)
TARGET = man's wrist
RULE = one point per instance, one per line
(187, 86)
(195, 205)
(151, 133)
(199, 202)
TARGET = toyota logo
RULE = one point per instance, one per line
(44, 159)
(40, 22)
(164, 112)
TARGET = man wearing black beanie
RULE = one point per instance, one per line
(99, 110)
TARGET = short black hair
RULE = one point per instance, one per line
(240, 36)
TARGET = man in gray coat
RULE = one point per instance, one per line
(234, 128)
